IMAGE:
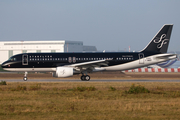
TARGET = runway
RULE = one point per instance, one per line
(100, 80)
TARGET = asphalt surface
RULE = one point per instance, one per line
(70, 80)
(95, 77)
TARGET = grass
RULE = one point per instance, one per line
(3, 83)
(112, 88)
(89, 101)
(137, 89)
(82, 88)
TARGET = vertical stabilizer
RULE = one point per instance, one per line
(160, 42)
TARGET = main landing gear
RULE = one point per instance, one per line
(25, 76)
(85, 77)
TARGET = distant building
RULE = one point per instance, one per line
(10, 48)
(89, 48)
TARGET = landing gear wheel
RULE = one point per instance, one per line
(82, 77)
(85, 77)
(25, 78)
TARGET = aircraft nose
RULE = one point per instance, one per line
(3, 64)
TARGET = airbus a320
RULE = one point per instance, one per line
(68, 64)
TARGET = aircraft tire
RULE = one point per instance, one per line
(82, 77)
(87, 77)
(25, 78)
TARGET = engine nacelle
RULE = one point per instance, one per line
(63, 72)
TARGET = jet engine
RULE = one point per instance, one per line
(63, 72)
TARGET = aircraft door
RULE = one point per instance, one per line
(141, 58)
(72, 59)
(25, 59)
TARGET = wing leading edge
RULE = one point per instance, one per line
(89, 66)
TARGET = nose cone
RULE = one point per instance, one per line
(4, 64)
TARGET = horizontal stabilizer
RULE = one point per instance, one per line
(167, 56)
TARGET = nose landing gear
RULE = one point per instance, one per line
(25, 76)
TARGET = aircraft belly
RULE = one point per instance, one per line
(137, 64)
(125, 66)
(31, 69)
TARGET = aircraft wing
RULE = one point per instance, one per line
(89, 66)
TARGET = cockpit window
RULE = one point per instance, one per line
(12, 59)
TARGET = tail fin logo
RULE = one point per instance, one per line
(162, 41)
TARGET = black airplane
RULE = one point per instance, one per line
(68, 64)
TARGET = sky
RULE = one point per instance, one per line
(111, 25)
